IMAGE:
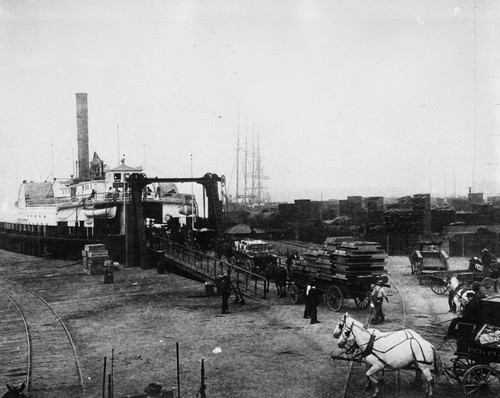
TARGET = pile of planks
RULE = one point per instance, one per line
(95, 259)
(354, 261)
(359, 261)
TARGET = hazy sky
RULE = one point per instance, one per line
(355, 97)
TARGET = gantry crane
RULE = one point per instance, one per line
(135, 238)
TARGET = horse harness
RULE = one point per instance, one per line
(369, 350)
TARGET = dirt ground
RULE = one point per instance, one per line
(262, 349)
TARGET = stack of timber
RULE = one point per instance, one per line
(354, 261)
(359, 262)
(95, 259)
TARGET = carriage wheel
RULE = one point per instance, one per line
(461, 365)
(488, 285)
(362, 302)
(233, 261)
(293, 293)
(438, 286)
(481, 381)
(334, 298)
(249, 265)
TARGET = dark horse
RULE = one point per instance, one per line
(279, 275)
(15, 392)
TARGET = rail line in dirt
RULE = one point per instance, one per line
(39, 350)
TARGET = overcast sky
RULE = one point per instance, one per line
(355, 97)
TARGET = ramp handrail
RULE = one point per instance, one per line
(212, 267)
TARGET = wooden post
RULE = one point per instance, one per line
(104, 380)
(178, 372)
(203, 387)
(112, 387)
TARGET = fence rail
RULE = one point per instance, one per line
(210, 267)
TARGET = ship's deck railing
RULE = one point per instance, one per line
(106, 197)
(212, 267)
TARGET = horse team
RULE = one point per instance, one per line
(402, 349)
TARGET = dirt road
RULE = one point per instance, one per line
(266, 347)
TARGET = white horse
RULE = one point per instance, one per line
(398, 350)
(355, 351)
(459, 292)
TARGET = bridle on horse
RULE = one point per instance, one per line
(355, 346)
(369, 350)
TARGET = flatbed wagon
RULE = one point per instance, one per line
(439, 281)
(428, 257)
(348, 272)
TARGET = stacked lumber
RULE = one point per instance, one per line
(316, 264)
(355, 261)
(95, 259)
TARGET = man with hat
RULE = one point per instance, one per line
(378, 296)
(313, 299)
(476, 286)
(486, 260)
(471, 314)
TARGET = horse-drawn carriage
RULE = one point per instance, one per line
(428, 256)
(444, 281)
(476, 364)
(347, 272)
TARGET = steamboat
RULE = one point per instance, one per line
(57, 218)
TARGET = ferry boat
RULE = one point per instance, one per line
(59, 217)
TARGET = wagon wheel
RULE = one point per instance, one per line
(488, 285)
(294, 293)
(481, 381)
(362, 302)
(248, 265)
(438, 286)
(461, 365)
(334, 298)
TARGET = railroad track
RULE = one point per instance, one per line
(36, 346)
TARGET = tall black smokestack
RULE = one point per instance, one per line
(82, 124)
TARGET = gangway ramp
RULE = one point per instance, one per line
(206, 268)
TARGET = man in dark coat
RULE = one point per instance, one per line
(225, 291)
(486, 260)
(471, 314)
(313, 299)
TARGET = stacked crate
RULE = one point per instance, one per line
(95, 259)
(359, 261)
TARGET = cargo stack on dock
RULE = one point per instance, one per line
(95, 259)
(355, 261)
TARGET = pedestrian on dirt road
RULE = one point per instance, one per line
(378, 296)
(313, 299)
(225, 291)
(307, 309)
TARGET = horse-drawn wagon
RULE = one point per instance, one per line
(477, 354)
(444, 281)
(346, 272)
(428, 256)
